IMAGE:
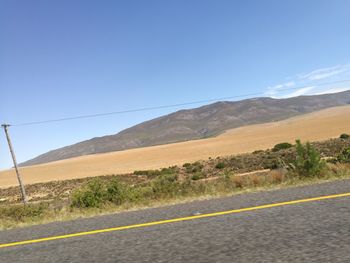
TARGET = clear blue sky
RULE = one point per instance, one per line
(66, 58)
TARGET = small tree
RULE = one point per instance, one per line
(308, 162)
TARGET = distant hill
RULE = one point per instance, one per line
(202, 122)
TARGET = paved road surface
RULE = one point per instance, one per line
(317, 231)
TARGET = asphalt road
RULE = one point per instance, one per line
(317, 231)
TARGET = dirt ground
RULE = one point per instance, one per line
(317, 126)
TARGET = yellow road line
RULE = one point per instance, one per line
(235, 211)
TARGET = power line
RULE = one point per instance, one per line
(167, 106)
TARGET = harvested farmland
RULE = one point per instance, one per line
(316, 126)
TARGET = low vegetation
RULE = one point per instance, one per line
(344, 136)
(289, 165)
(220, 165)
(344, 156)
(281, 146)
(308, 162)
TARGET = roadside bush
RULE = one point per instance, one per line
(281, 146)
(117, 192)
(141, 193)
(165, 185)
(21, 213)
(93, 194)
(308, 162)
(98, 192)
(339, 169)
(344, 136)
(197, 176)
(344, 157)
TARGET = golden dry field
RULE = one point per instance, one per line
(315, 126)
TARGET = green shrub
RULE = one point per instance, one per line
(138, 172)
(344, 157)
(197, 164)
(308, 162)
(169, 170)
(21, 213)
(140, 193)
(197, 176)
(281, 146)
(117, 192)
(93, 194)
(165, 185)
(193, 167)
(344, 136)
(220, 165)
(97, 192)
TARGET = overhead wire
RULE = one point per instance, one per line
(168, 105)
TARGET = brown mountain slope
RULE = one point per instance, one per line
(202, 122)
(314, 126)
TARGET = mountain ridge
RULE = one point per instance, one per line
(197, 123)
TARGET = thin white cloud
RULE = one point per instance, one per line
(299, 92)
(325, 72)
(271, 91)
(332, 90)
(289, 84)
(309, 83)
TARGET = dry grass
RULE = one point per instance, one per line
(60, 210)
(313, 127)
(277, 176)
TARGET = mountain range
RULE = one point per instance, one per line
(202, 122)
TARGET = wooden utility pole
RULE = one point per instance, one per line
(21, 185)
